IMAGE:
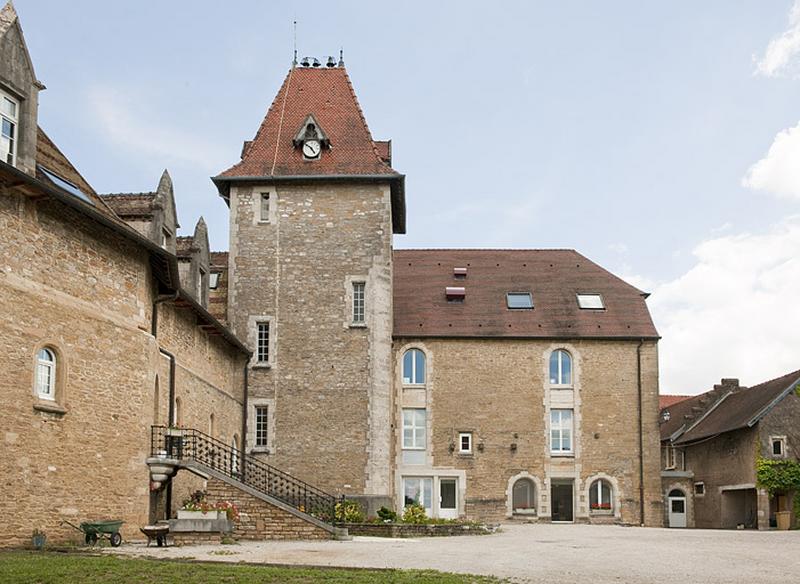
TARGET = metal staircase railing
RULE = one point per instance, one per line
(194, 445)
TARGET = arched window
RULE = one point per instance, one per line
(414, 367)
(600, 497)
(46, 374)
(524, 496)
(560, 368)
(677, 493)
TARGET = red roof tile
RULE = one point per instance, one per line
(665, 401)
(327, 94)
(554, 277)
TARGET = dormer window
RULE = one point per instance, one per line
(165, 235)
(311, 139)
(9, 115)
(591, 302)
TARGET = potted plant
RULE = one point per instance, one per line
(39, 538)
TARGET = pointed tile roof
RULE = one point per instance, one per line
(326, 94)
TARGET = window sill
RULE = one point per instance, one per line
(262, 366)
(562, 454)
(49, 407)
(466, 454)
(259, 450)
(527, 512)
(358, 325)
(601, 512)
(561, 387)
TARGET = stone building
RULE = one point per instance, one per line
(99, 337)
(710, 444)
(399, 375)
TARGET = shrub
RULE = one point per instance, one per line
(415, 514)
(349, 512)
(387, 515)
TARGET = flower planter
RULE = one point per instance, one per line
(213, 514)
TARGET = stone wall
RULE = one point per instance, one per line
(259, 520)
(498, 391)
(330, 381)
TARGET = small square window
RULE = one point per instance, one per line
(519, 300)
(465, 442)
(700, 489)
(591, 302)
(213, 280)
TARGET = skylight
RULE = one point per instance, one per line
(519, 300)
(65, 185)
(591, 301)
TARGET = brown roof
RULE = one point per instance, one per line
(183, 246)
(218, 260)
(552, 276)
(665, 400)
(327, 94)
(742, 408)
(130, 205)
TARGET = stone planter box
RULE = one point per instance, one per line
(213, 515)
(410, 530)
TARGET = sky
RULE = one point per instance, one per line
(659, 139)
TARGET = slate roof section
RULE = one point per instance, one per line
(553, 276)
(741, 409)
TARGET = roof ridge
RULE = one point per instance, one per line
(363, 118)
(130, 195)
(795, 373)
(488, 249)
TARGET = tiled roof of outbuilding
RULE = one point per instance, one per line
(183, 246)
(741, 408)
(219, 259)
(131, 205)
(553, 276)
(666, 400)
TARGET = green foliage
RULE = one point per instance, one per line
(797, 390)
(386, 514)
(66, 568)
(777, 475)
(415, 514)
(349, 512)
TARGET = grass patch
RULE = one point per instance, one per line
(57, 568)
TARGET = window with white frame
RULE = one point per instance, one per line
(674, 458)
(523, 496)
(561, 431)
(213, 280)
(519, 300)
(414, 429)
(359, 302)
(46, 374)
(264, 203)
(700, 489)
(600, 497)
(419, 491)
(201, 290)
(778, 445)
(560, 368)
(414, 367)
(165, 235)
(465, 442)
(262, 342)
(261, 426)
(9, 117)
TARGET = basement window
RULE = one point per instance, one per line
(519, 301)
(591, 302)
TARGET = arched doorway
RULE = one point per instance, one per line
(676, 505)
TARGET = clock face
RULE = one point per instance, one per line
(311, 149)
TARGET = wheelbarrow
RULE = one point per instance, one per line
(94, 530)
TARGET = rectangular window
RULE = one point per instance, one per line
(778, 446)
(465, 442)
(201, 290)
(414, 432)
(165, 235)
(561, 431)
(261, 426)
(700, 489)
(8, 129)
(590, 302)
(213, 280)
(418, 491)
(262, 343)
(264, 211)
(519, 300)
(359, 302)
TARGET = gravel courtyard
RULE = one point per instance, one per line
(543, 553)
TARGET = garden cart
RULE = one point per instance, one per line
(94, 530)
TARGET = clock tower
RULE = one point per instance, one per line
(313, 204)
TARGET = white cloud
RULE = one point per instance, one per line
(782, 51)
(735, 313)
(779, 171)
(134, 125)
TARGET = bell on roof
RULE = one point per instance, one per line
(305, 62)
(316, 62)
(331, 62)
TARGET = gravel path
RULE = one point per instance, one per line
(543, 553)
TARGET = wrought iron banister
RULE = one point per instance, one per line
(191, 444)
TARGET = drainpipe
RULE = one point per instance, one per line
(243, 440)
(641, 433)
